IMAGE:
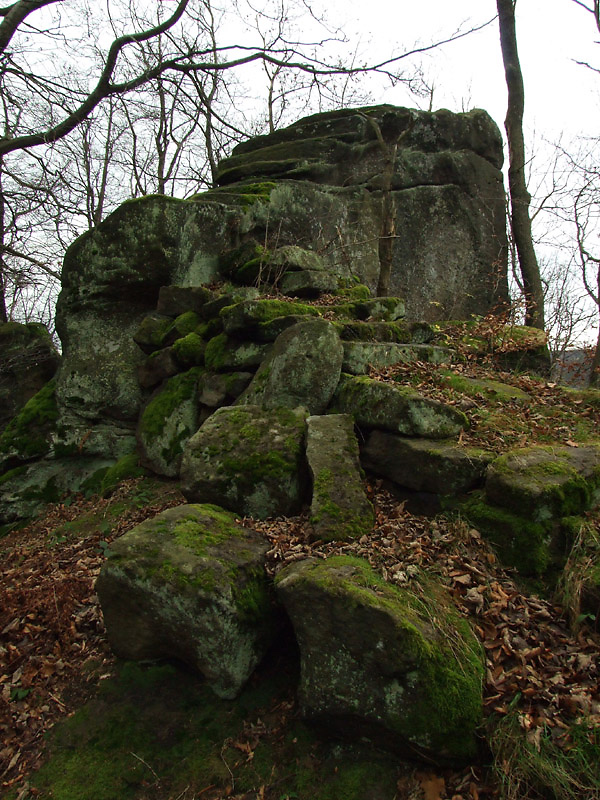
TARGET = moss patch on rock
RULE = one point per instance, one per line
(27, 436)
(411, 667)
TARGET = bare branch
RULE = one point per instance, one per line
(14, 16)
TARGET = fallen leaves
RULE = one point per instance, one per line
(53, 649)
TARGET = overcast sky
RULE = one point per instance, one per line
(560, 95)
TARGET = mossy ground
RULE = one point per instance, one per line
(157, 731)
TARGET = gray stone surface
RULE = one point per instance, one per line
(396, 666)
(425, 466)
(302, 369)
(546, 481)
(339, 508)
(248, 460)
(190, 584)
(359, 356)
(398, 409)
(28, 360)
(167, 422)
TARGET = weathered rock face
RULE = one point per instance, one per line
(377, 660)
(303, 369)
(190, 584)
(340, 508)
(248, 460)
(28, 360)
(316, 190)
(446, 174)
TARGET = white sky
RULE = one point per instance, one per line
(561, 97)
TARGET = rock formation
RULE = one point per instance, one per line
(237, 342)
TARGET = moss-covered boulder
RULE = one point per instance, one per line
(248, 460)
(546, 481)
(251, 317)
(397, 666)
(522, 543)
(302, 369)
(168, 421)
(398, 409)
(360, 356)
(339, 508)
(309, 283)
(28, 360)
(190, 584)
(224, 353)
(442, 467)
(29, 435)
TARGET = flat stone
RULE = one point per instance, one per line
(396, 666)
(339, 508)
(157, 368)
(216, 389)
(308, 283)
(398, 409)
(190, 584)
(546, 481)
(225, 354)
(359, 356)
(425, 466)
(386, 309)
(175, 300)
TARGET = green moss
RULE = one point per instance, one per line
(186, 323)
(520, 542)
(175, 391)
(257, 312)
(176, 725)
(189, 350)
(214, 355)
(126, 467)
(27, 435)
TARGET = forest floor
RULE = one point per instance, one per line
(75, 724)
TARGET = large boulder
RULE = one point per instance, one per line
(397, 666)
(398, 409)
(302, 369)
(442, 467)
(546, 481)
(248, 460)
(168, 421)
(190, 584)
(28, 360)
(339, 508)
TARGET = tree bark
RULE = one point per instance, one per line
(520, 198)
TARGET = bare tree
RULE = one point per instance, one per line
(160, 83)
(519, 195)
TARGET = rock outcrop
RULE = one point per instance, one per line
(397, 666)
(190, 584)
(300, 209)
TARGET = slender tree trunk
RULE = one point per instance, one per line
(3, 311)
(519, 196)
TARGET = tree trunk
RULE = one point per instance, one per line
(519, 196)
(3, 311)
